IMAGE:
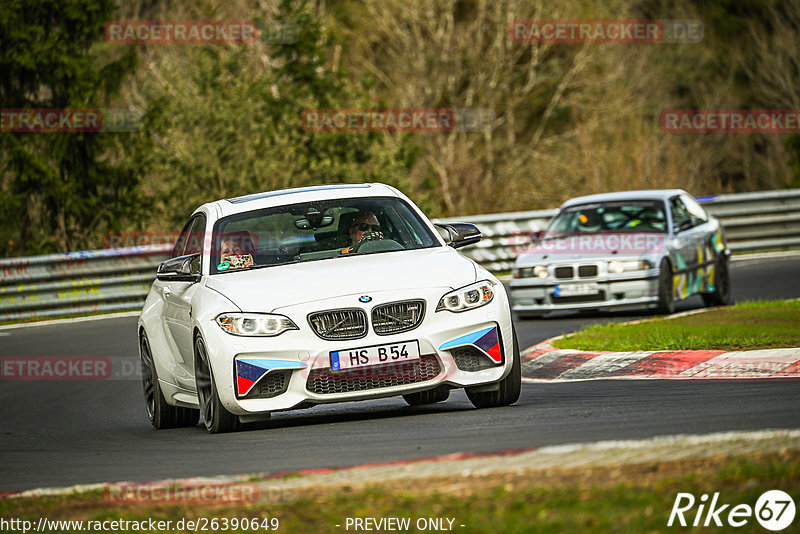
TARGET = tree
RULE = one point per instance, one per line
(59, 189)
(228, 120)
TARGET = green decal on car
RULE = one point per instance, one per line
(223, 266)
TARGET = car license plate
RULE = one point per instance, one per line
(571, 290)
(374, 355)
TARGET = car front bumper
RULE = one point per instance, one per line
(530, 296)
(304, 359)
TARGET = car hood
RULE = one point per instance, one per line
(594, 246)
(272, 287)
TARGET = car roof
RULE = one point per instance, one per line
(648, 194)
(281, 197)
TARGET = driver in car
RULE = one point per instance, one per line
(365, 227)
(590, 221)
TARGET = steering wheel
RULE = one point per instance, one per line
(369, 236)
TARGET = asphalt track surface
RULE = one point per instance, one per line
(60, 433)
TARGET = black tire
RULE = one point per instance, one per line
(510, 386)
(666, 290)
(522, 316)
(216, 418)
(161, 414)
(721, 296)
(430, 396)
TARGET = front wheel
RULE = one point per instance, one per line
(521, 316)
(161, 414)
(510, 386)
(666, 290)
(216, 417)
(721, 296)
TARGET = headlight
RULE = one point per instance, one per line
(255, 324)
(467, 298)
(524, 272)
(621, 266)
(529, 272)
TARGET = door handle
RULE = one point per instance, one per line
(166, 292)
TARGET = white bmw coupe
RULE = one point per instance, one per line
(288, 299)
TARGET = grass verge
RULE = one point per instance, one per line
(748, 325)
(617, 498)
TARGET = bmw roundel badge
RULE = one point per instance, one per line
(364, 298)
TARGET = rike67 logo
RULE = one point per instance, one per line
(774, 510)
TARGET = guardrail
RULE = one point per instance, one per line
(101, 281)
(76, 283)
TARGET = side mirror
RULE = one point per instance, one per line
(461, 234)
(685, 225)
(536, 237)
(180, 269)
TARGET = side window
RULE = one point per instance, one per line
(180, 244)
(680, 214)
(194, 245)
(190, 241)
(696, 211)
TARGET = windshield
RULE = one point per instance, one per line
(622, 216)
(316, 231)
